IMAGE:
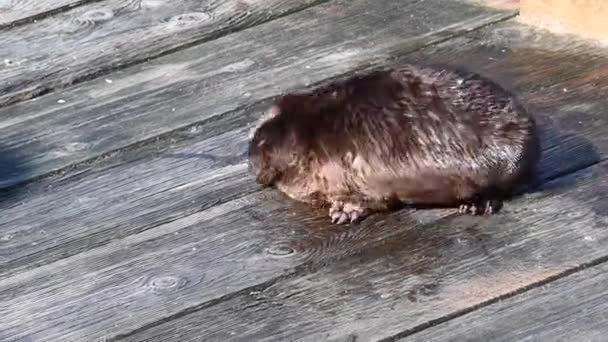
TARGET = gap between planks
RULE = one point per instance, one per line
(572, 308)
(510, 295)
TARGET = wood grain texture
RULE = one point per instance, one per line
(145, 277)
(574, 308)
(202, 82)
(67, 218)
(407, 276)
(18, 11)
(95, 38)
(417, 275)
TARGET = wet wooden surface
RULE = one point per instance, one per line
(573, 308)
(128, 212)
(17, 12)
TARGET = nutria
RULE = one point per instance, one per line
(406, 135)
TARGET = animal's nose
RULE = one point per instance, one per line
(253, 165)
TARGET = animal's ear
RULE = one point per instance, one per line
(271, 113)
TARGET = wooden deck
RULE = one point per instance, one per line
(127, 213)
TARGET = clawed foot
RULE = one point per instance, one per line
(487, 207)
(341, 213)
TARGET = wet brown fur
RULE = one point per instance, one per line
(411, 135)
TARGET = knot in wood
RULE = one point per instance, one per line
(186, 19)
(98, 15)
(162, 284)
(280, 251)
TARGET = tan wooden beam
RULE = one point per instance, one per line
(587, 18)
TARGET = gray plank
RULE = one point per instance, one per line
(569, 309)
(65, 218)
(409, 275)
(18, 11)
(205, 81)
(95, 38)
(419, 274)
(144, 277)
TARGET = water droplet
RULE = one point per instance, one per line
(7, 237)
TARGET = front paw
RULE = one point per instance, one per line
(341, 213)
(483, 207)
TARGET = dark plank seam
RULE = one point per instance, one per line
(170, 134)
(220, 33)
(519, 291)
(43, 15)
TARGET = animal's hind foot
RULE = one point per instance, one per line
(341, 213)
(483, 207)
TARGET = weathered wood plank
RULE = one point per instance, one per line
(573, 308)
(65, 219)
(147, 276)
(407, 276)
(92, 39)
(210, 79)
(419, 275)
(18, 11)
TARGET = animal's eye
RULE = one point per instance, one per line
(261, 142)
